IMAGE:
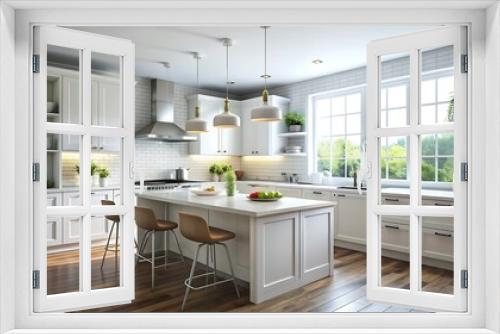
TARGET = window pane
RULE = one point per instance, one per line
(323, 127)
(352, 166)
(395, 237)
(428, 91)
(428, 114)
(353, 146)
(383, 98)
(428, 145)
(63, 107)
(396, 117)
(106, 102)
(396, 96)
(338, 105)
(338, 168)
(106, 158)
(397, 169)
(323, 108)
(428, 169)
(324, 154)
(353, 103)
(353, 123)
(445, 89)
(338, 125)
(383, 118)
(445, 143)
(63, 266)
(437, 238)
(445, 112)
(445, 169)
(338, 149)
(393, 162)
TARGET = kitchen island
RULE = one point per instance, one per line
(279, 246)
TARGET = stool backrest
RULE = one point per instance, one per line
(113, 218)
(194, 227)
(145, 218)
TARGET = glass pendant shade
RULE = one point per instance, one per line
(226, 119)
(266, 112)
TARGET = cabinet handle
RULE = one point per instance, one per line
(340, 195)
(440, 234)
(392, 199)
(394, 227)
(317, 192)
(442, 204)
(225, 151)
(218, 151)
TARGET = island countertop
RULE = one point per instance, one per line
(238, 204)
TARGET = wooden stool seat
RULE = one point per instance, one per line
(165, 225)
(218, 234)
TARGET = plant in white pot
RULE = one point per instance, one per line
(94, 172)
(215, 171)
(294, 121)
(103, 176)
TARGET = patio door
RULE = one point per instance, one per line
(417, 144)
(83, 126)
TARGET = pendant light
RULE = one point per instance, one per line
(227, 119)
(196, 124)
(266, 112)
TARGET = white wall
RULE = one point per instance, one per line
(7, 174)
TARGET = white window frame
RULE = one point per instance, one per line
(479, 319)
(313, 120)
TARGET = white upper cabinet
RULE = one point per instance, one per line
(216, 141)
(261, 138)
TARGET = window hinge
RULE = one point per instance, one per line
(36, 172)
(464, 171)
(464, 280)
(36, 279)
(465, 64)
(36, 63)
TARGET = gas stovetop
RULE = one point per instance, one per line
(165, 184)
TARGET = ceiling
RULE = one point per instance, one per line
(291, 50)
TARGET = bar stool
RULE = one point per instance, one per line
(146, 219)
(116, 221)
(196, 229)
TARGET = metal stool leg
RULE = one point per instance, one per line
(193, 266)
(207, 264)
(214, 261)
(107, 244)
(153, 260)
(179, 247)
(166, 245)
(231, 267)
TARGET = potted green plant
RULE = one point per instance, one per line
(103, 176)
(230, 177)
(295, 121)
(94, 172)
(215, 171)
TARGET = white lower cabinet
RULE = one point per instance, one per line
(320, 195)
(290, 192)
(350, 222)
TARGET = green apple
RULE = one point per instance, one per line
(262, 195)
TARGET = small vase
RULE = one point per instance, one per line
(103, 181)
(95, 180)
(215, 178)
(294, 128)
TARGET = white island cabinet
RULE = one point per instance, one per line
(279, 246)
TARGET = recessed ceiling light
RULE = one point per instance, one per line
(317, 61)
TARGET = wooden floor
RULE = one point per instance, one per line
(343, 292)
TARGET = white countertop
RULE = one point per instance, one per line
(239, 204)
(428, 193)
(73, 189)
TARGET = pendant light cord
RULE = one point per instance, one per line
(197, 114)
(227, 71)
(265, 58)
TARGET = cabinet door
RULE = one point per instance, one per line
(54, 225)
(70, 110)
(351, 218)
(290, 192)
(230, 139)
(208, 143)
(71, 227)
(248, 128)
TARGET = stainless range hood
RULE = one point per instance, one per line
(163, 127)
